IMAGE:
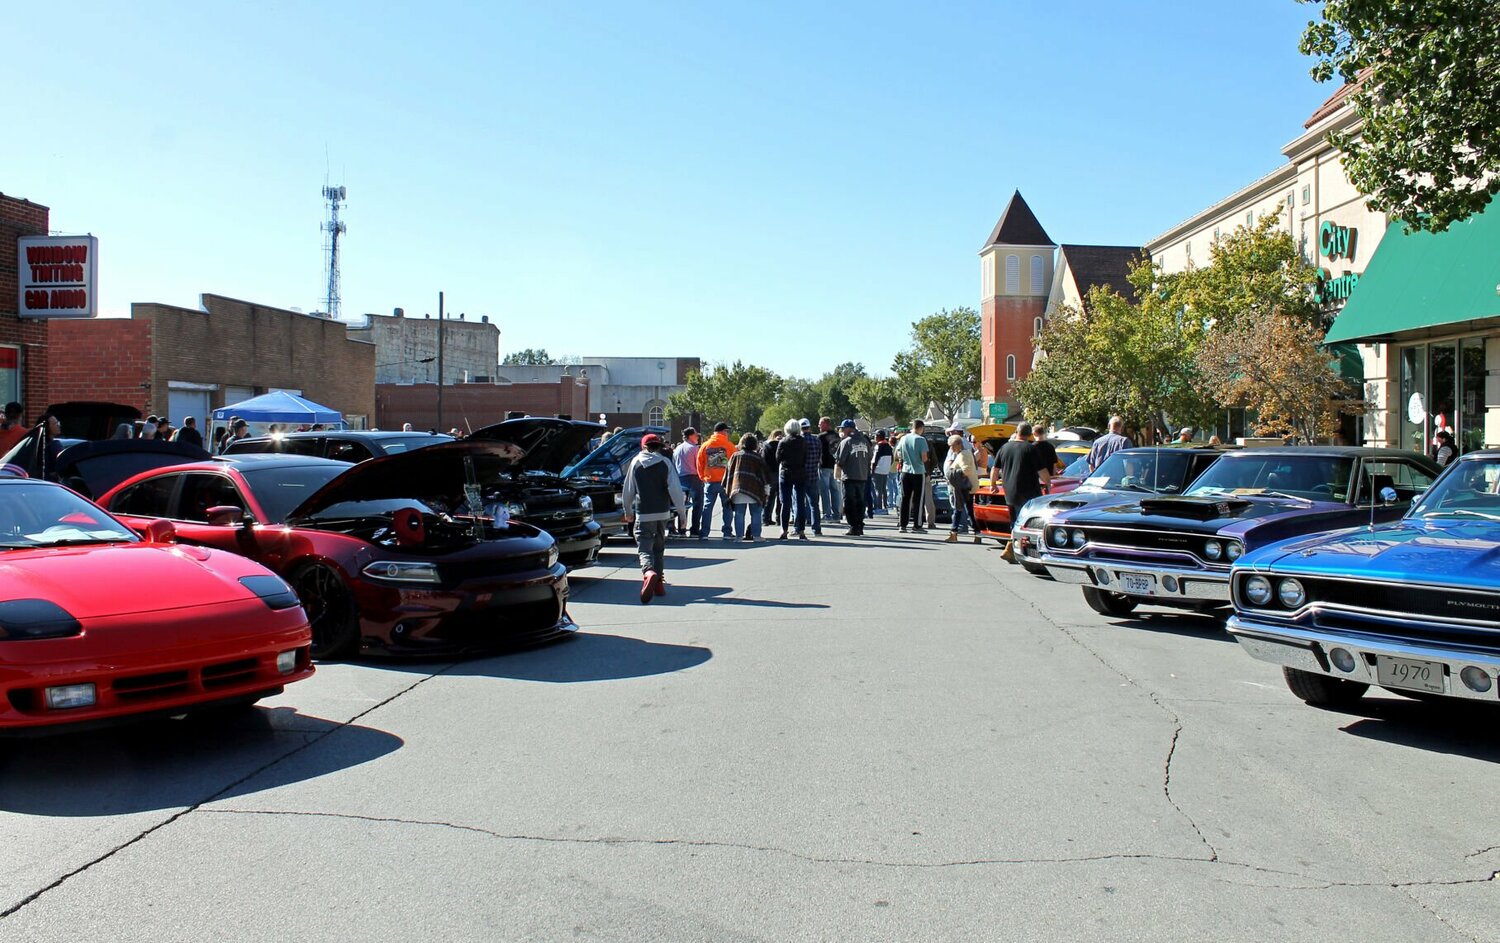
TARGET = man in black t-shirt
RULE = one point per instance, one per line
(1046, 452)
(1023, 476)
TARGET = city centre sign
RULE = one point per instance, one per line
(58, 276)
(1336, 242)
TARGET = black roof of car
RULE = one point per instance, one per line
(274, 460)
(1330, 451)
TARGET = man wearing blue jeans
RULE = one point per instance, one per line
(830, 489)
(685, 457)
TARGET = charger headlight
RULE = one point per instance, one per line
(1291, 594)
(552, 557)
(36, 619)
(1258, 591)
(1213, 550)
(402, 571)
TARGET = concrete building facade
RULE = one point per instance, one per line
(626, 391)
(406, 347)
(23, 341)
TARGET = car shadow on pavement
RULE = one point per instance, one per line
(585, 656)
(167, 764)
(1460, 728)
(1185, 624)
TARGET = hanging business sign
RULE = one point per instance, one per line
(58, 276)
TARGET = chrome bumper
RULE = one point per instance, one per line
(1029, 543)
(1307, 649)
(1171, 584)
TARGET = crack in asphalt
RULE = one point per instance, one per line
(1315, 883)
(1177, 725)
(37, 894)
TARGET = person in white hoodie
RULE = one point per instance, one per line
(652, 498)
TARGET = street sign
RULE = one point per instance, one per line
(999, 410)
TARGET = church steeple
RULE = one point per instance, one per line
(1018, 226)
(1016, 267)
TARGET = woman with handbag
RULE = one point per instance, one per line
(963, 478)
(747, 480)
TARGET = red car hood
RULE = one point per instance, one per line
(123, 579)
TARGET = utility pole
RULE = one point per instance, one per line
(440, 364)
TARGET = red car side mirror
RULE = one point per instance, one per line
(159, 532)
(223, 514)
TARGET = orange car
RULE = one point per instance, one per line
(990, 511)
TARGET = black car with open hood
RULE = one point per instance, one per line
(85, 457)
(534, 490)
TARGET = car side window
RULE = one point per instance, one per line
(348, 451)
(149, 498)
(313, 446)
(203, 491)
(1407, 478)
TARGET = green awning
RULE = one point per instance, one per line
(1424, 280)
(1351, 365)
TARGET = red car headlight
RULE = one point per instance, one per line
(35, 619)
(271, 591)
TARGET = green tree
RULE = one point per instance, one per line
(1253, 273)
(942, 363)
(736, 393)
(877, 398)
(799, 399)
(1427, 93)
(531, 356)
(833, 391)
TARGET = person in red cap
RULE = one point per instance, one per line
(652, 497)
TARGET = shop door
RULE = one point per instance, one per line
(184, 403)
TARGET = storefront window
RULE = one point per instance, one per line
(1471, 395)
(1443, 370)
(1413, 404)
(10, 374)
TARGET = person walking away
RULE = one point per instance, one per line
(12, 430)
(814, 465)
(652, 497)
(791, 457)
(713, 459)
(852, 461)
(1046, 452)
(1108, 444)
(828, 482)
(963, 478)
(1445, 453)
(1024, 477)
(769, 454)
(685, 457)
(189, 432)
(913, 449)
(748, 481)
(880, 471)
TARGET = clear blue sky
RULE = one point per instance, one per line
(787, 183)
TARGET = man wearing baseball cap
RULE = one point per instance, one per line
(652, 497)
(852, 460)
(713, 460)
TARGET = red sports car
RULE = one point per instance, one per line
(98, 624)
(407, 553)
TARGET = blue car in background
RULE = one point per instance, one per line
(605, 466)
(1413, 607)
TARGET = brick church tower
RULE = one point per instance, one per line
(1015, 279)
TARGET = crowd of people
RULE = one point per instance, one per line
(800, 481)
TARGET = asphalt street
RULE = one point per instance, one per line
(881, 739)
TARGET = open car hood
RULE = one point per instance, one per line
(551, 444)
(90, 420)
(92, 468)
(434, 471)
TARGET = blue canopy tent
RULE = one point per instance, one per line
(278, 406)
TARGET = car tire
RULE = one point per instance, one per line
(1108, 604)
(1321, 690)
(330, 611)
(1035, 569)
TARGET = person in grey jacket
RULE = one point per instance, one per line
(652, 498)
(852, 460)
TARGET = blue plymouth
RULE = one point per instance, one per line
(1176, 550)
(1413, 607)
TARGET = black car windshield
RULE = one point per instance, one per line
(1471, 489)
(394, 445)
(280, 490)
(606, 460)
(1313, 477)
(1142, 470)
(35, 514)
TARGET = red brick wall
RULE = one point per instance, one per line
(1008, 325)
(107, 359)
(22, 218)
(479, 403)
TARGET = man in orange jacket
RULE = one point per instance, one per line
(713, 459)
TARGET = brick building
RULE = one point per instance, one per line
(23, 342)
(406, 348)
(473, 405)
(1015, 278)
(187, 361)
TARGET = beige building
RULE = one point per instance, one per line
(1310, 197)
(406, 347)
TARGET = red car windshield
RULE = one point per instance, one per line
(36, 514)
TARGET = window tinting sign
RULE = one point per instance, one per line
(58, 276)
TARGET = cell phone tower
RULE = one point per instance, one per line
(332, 230)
